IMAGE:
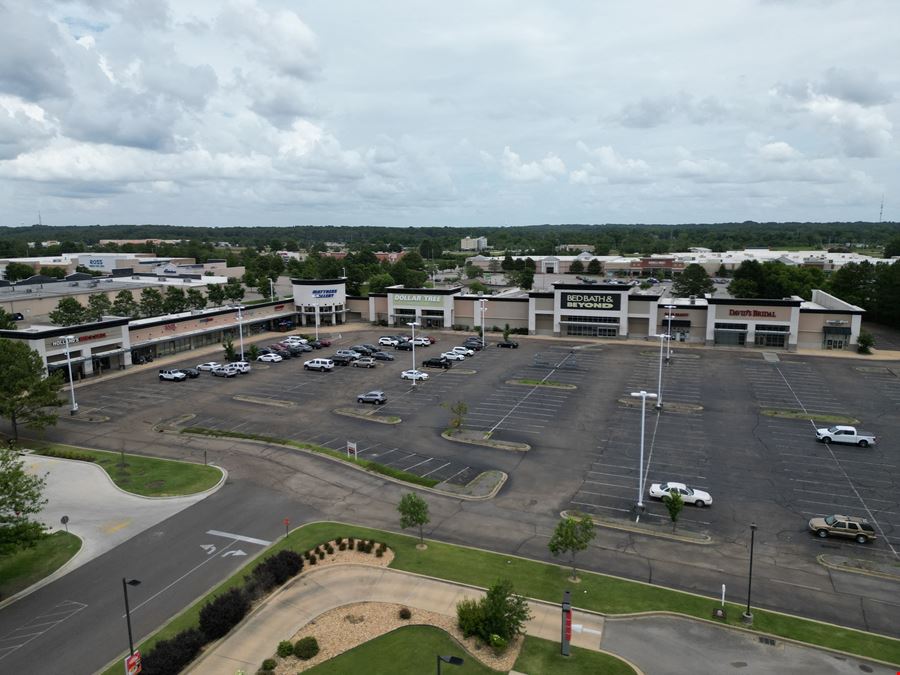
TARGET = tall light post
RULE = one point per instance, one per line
(69, 339)
(240, 320)
(662, 339)
(125, 584)
(413, 324)
(670, 308)
(317, 320)
(748, 615)
(271, 289)
(483, 302)
(643, 395)
(452, 660)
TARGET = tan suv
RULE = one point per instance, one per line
(843, 526)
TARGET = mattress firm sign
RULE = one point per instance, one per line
(417, 300)
(324, 295)
(594, 301)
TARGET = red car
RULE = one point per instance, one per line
(324, 342)
(430, 339)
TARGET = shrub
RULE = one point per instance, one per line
(318, 549)
(222, 613)
(405, 614)
(379, 553)
(285, 648)
(342, 546)
(360, 544)
(306, 648)
(500, 613)
(172, 655)
(339, 541)
(321, 555)
(350, 541)
(498, 644)
(329, 548)
(312, 561)
(382, 546)
(469, 616)
(270, 664)
(273, 571)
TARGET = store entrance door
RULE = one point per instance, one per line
(834, 343)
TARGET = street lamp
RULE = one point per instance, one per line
(643, 395)
(452, 660)
(662, 339)
(748, 615)
(125, 584)
(413, 324)
(669, 331)
(69, 339)
(483, 302)
(271, 289)
(317, 321)
(240, 320)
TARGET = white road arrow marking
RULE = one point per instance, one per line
(209, 548)
(228, 553)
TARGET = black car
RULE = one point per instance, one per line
(383, 356)
(294, 350)
(363, 349)
(437, 363)
(315, 344)
(404, 347)
(474, 344)
(372, 348)
(192, 373)
(341, 360)
(376, 397)
(509, 344)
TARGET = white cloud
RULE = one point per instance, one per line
(778, 151)
(609, 167)
(540, 170)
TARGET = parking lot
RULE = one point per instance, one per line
(584, 436)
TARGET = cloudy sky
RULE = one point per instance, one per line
(490, 112)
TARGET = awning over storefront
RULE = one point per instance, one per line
(837, 330)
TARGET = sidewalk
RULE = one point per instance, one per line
(679, 645)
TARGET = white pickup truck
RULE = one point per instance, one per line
(844, 434)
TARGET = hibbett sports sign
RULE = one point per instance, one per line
(605, 301)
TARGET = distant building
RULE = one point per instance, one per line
(576, 247)
(120, 242)
(473, 244)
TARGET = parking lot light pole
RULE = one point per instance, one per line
(240, 320)
(70, 339)
(125, 584)
(413, 324)
(643, 395)
(317, 321)
(483, 302)
(748, 615)
(662, 339)
(670, 308)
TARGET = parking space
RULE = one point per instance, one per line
(783, 384)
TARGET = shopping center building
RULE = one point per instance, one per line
(586, 310)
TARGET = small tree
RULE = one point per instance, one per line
(215, 294)
(151, 302)
(17, 271)
(572, 534)
(506, 331)
(195, 299)
(68, 312)
(253, 352)
(865, 342)
(234, 290)
(21, 495)
(459, 410)
(674, 504)
(594, 267)
(692, 281)
(124, 305)
(174, 300)
(25, 394)
(501, 613)
(413, 512)
(577, 267)
(99, 305)
(228, 344)
(6, 320)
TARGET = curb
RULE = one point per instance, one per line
(703, 540)
(273, 402)
(680, 408)
(59, 572)
(368, 416)
(852, 570)
(560, 385)
(498, 445)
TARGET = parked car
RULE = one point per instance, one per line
(430, 338)
(375, 397)
(269, 358)
(324, 342)
(453, 356)
(362, 350)
(383, 356)
(322, 365)
(845, 434)
(339, 360)
(388, 341)
(295, 338)
(209, 365)
(191, 373)
(843, 526)
(465, 351)
(413, 375)
(225, 371)
(421, 342)
(281, 350)
(689, 495)
(295, 349)
(349, 353)
(241, 366)
(372, 348)
(437, 362)
(365, 362)
(172, 375)
(316, 344)
(474, 344)
(404, 346)
(508, 344)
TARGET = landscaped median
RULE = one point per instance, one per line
(21, 569)
(542, 383)
(368, 415)
(483, 438)
(823, 418)
(545, 581)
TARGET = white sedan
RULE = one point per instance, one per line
(689, 495)
(413, 375)
(421, 342)
(453, 356)
(271, 358)
(465, 351)
(387, 341)
(209, 365)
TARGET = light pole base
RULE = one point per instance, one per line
(658, 406)
(747, 618)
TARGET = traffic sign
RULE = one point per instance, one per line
(133, 663)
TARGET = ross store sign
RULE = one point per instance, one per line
(595, 301)
(417, 300)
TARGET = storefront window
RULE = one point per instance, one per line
(731, 334)
(591, 330)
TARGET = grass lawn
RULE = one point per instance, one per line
(24, 567)
(405, 651)
(542, 656)
(544, 581)
(824, 418)
(146, 476)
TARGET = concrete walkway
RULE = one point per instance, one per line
(100, 513)
(678, 645)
